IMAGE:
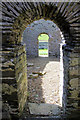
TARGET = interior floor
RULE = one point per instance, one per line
(43, 85)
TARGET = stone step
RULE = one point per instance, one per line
(44, 109)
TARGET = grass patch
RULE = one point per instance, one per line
(43, 38)
(43, 51)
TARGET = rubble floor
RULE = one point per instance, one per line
(43, 87)
(43, 81)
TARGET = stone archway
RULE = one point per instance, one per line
(15, 17)
(33, 30)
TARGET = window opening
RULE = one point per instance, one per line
(43, 45)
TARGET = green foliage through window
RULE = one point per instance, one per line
(43, 44)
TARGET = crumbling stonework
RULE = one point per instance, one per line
(14, 79)
(15, 18)
(31, 33)
(71, 89)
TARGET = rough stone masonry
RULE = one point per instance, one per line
(16, 16)
(33, 30)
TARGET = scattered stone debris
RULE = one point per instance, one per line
(43, 83)
(42, 73)
(38, 67)
(8, 89)
(30, 64)
(39, 73)
(33, 76)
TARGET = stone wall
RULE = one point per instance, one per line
(71, 84)
(14, 80)
(15, 18)
(33, 30)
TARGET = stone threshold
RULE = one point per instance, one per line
(44, 109)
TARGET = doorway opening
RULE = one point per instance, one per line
(43, 45)
(43, 72)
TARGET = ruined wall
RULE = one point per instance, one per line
(15, 18)
(31, 33)
(71, 84)
(14, 80)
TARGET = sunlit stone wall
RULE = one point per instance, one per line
(31, 33)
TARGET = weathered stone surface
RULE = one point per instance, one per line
(8, 72)
(74, 70)
(6, 89)
(71, 79)
(38, 67)
(16, 16)
(74, 93)
(33, 75)
(43, 109)
(74, 83)
(15, 80)
(6, 112)
(8, 63)
(39, 72)
(73, 55)
(75, 61)
(31, 33)
(42, 73)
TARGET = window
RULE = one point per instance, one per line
(43, 45)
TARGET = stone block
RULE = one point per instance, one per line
(19, 63)
(6, 112)
(73, 55)
(74, 61)
(74, 93)
(8, 73)
(75, 105)
(30, 64)
(41, 73)
(21, 68)
(6, 89)
(8, 63)
(74, 83)
(43, 109)
(33, 76)
(22, 81)
(9, 80)
(74, 70)
(20, 73)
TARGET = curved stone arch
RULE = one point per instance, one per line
(15, 18)
(19, 14)
(43, 33)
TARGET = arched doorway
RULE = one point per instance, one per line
(43, 45)
(40, 69)
(16, 16)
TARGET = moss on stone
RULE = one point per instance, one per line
(6, 89)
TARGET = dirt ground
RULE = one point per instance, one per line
(44, 88)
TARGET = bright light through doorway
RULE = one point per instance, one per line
(43, 45)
